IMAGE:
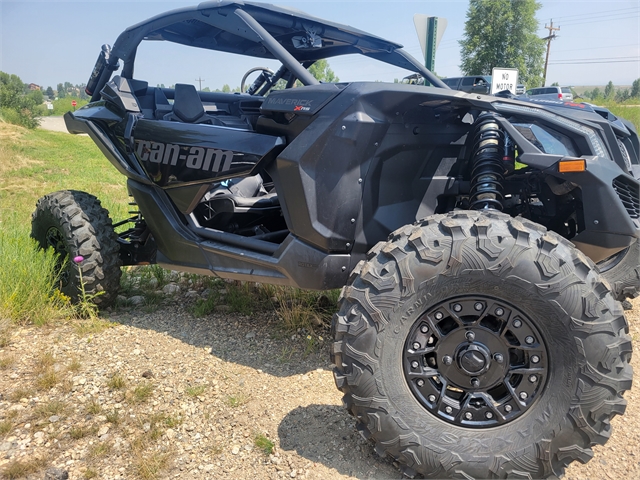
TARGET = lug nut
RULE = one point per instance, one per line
(439, 315)
(498, 358)
(430, 341)
(468, 416)
(533, 378)
(488, 415)
(416, 345)
(415, 364)
(508, 408)
(475, 382)
(420, 383)
(470, 336)
(457, 307)
(517, 323)
(448, 409)
(424, 328)
(478, 306)
(535, 359)
(499, 311)
(432, 398)
(529, 340)
(524, 395)
(447, 360)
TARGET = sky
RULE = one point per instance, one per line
(50, 42)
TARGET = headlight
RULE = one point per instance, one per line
(594, 139)
(547, 141)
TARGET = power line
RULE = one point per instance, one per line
(637, 44)
(571, 17)
(637, 60)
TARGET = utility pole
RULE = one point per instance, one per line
(200, 80)
(548, 39)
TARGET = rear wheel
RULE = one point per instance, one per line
(75, 224)
(474, 345)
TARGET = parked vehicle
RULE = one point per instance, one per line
(472, 84)
(479, 333)
(520, 89)
(562, 94)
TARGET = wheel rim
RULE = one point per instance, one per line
(55, 240)
(476, 362)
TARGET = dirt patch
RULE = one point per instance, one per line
(167, 395)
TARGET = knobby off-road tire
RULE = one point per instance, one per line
(74, 223)
(623, 272)
(522, 291)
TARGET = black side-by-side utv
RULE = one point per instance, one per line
(483, 243)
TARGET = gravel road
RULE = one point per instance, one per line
(163, 394)
(54, 123)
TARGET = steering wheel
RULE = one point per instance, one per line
(266, 75)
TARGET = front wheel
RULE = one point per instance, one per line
(474, 345)
(75, 224)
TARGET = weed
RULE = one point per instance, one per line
(286, 354)
(216, 449)
(312, 344)
(85, 306)
(94, 408)
(263, 443)
(196, 390)
(116, 382)
(24, 468)
(5, 336)
(5, 427)
(82, 431)
(207, 305)
(171, 421)
(54, 407)
(44, 362)
(99, 449)
(7, 361)
(141, 393)
(89, 473)
(47, 380)
(92, 326)
(303, 308)
(20, 393)
(237, 400)
(113, 417)
(74, 365)
(241, 298)
(149, 465)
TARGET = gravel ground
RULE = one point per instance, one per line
(167, 395)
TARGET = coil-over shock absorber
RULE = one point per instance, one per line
(487, 171)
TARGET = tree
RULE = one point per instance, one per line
(50, 92)
(503, 33)
(622, 95)
(61, 91)
(609, 91)
(555, 84)
(17, 106)
(595, 93)
(322, 72)
(635, 88)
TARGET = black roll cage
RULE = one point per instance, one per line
(258, 30)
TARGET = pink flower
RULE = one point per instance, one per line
(78, 259)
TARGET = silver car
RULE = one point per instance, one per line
(561, 94)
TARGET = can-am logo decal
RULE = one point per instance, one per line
(198, 158)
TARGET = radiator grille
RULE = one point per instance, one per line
(629, 194)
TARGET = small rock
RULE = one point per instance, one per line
(146, 427)
(223, 308)
(171, 289)
(147, 374)
(170, 433)
(56, 474)
(38, 435)
(103, 430)
(235, 450)
(54, 418)
(250, 335)
(205, 293)
(136, 300)
(153, 282)
(191, 294)
(136, 351)
(293, 473)
(4, 446)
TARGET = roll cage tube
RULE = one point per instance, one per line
(278, 50)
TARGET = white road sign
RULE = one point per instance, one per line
(504, 79)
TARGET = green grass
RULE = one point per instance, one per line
(32, 164)
(195, 390)
(263, 443)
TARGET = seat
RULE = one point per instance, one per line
(163, 107)
(187, 106)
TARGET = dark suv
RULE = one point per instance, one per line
(471, 84)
